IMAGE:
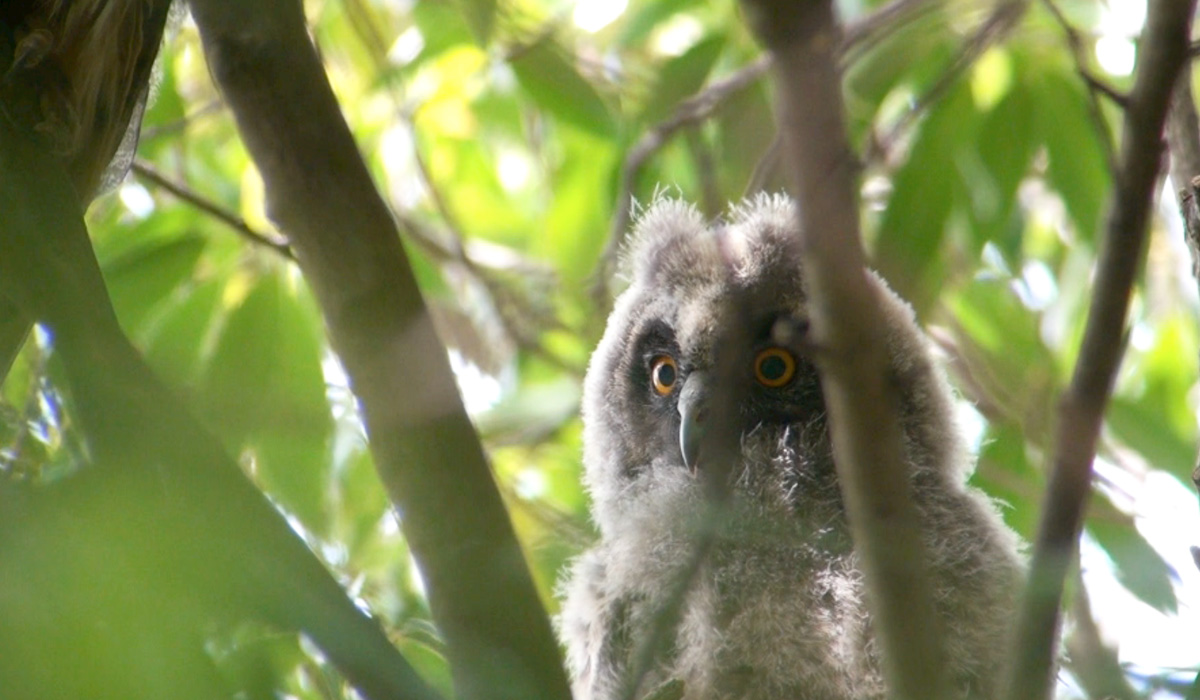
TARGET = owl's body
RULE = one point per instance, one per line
(777, 610)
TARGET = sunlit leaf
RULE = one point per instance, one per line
(907, 249)
(681, 77)
(1139, 568)
(550, 79)
(1077, 167)
(140, 280)
(264, 389)
(481, 16)
(1006, 142)
(176, 346)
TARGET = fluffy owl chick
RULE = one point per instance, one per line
(777, 610)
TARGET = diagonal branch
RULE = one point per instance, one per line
(149, 173)
(216, 540)
(701, 106)
(319, 191)
(1164, 44)
(846, 323)
(989, 33)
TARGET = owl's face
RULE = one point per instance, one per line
(652, 378)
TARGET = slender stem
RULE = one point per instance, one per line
(1164, 45)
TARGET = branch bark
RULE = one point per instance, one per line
(429, 458)
(846, 327)
(1183, 140)
(1163, 46)
(211, 534)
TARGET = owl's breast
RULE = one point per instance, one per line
(769, 621)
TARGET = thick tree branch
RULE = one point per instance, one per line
(215, 541)
(1183, 140)
(847, 328)
(319, 191)
(1163, 45)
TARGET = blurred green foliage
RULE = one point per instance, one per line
(497, 130)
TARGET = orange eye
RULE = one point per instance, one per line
(774, 367)
(663, 374)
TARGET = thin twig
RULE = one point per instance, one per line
(450, 247)
(209, 108)
(990, 32)
(691, 111)
(1096, 86)
(867, 31)
(276, 243)
(701, 106)
(706, 172)
(1164, 45)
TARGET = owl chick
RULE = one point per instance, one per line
(777, 608)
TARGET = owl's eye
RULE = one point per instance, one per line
(663, 374)
(774, 367)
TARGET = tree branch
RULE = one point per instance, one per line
(319, 191)
(701, 106)
(149, 173)
(1183, 140)
(691, 111)
(1096, 86)
(847, 327)
(1163, 45)
(215, 540)
(989, 32)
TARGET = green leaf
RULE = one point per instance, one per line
(442, 27)
(1077, 167)
(681, 77)
(265, 391)
(293, 466)
(175, 346)
(363, 502)
(1140, 569)
(1152, 411)
(481, 18)
(746, 129)
(1140, 425)
(1007, 142)
(574, 230)
(643, 19)
(553, 83)
(141, 279)
(1005, 472)
(908, 248)
(1002, 345)
(907, 60)
(429, 663)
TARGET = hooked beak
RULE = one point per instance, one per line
(693, 409)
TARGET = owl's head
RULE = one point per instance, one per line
(730, 293)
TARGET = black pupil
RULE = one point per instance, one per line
(772, 368)
(664, 374)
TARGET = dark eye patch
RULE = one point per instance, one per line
(654, 341)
